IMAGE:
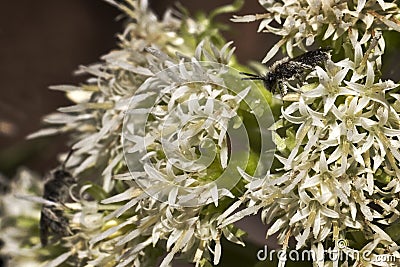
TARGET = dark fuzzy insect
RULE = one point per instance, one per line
(56, 189)
(4, 258)
(287, 69)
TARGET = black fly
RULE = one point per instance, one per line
(287, 69)
(56, 189)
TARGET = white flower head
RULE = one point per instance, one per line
(183, 137)
(20, 219)
(299, 23)
(184, 141)
(339, 158)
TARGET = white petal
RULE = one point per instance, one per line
(329, 213)
(59, 260)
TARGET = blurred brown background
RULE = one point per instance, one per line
(43, 42)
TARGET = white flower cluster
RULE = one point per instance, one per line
(189, 112)
(170, 146)
(176, 120)
(338, 175)
(20, 219)
(299, 23)
(95, 121)
(170, 116)
(341, 173)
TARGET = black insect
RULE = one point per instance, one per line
(287, 69)
(4, 258)
(56, 189)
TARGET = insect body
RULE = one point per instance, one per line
(287, 69)
(56, 189)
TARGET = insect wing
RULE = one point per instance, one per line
(314, 57)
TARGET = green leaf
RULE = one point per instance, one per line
(394, 231)
(96, 192)
(235, 6)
